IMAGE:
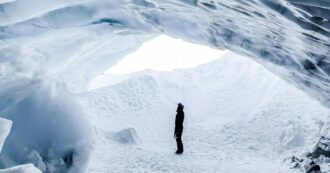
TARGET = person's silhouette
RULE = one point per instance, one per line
(179, 128)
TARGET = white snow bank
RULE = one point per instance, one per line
(28, 168)
(49, 130)
(5, 126)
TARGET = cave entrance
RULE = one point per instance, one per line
(163, 53)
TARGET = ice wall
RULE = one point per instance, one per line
(49, 130)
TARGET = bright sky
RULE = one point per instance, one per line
(164, 53)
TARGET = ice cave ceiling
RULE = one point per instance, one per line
(72, 41)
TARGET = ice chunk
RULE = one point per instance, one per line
(292, 137)
(5, 126)
(27, 168)
(47, 125)
(126, 136)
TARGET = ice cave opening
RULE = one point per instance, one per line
(238, 114)
(262, 107)
(162, 53)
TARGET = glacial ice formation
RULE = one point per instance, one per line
(49, 50)
(49, 130)
(5, 126)
(27, 168)
(290, 37)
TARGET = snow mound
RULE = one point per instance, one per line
(28, 168)
(126, 136)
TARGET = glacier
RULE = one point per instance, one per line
(51, 51)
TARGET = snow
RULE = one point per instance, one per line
(247, 122)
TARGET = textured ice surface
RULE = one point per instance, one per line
(290, 37)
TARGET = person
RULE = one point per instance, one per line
(179, 128)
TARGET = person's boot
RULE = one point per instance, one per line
(178, 152)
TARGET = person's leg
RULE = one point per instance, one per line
(179, 144)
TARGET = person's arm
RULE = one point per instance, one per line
(175, 128)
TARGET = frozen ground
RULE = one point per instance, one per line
(239, 118)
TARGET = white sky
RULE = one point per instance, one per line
(164, 53)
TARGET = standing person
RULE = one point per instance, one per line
(179, 128)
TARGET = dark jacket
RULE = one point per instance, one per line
(179, 122)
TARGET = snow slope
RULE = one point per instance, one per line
(239, 118)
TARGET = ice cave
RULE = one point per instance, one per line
(256, 101)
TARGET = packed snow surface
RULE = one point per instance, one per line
(238, 118)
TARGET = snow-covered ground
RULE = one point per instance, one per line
(239, 118)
